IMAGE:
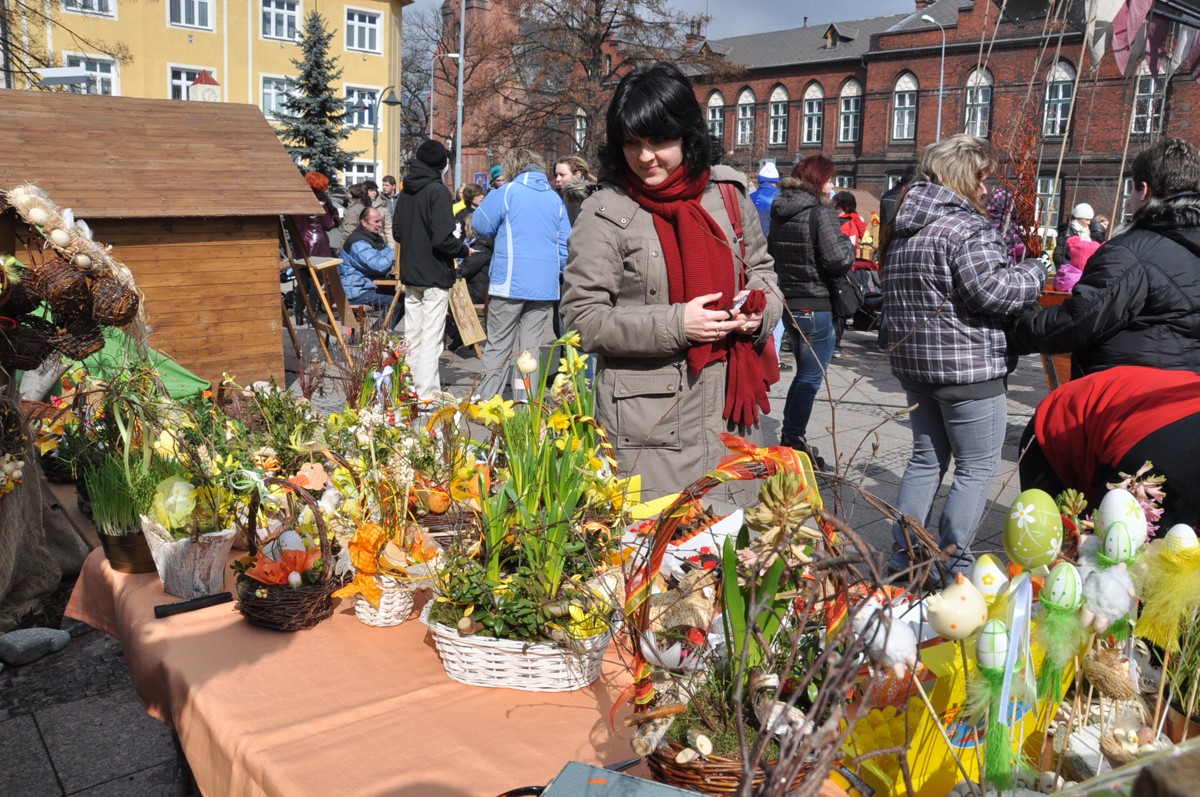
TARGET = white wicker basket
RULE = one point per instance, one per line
(506, 664)
(395, 605)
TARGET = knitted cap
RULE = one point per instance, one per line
(433, 153)
(495, 172)
(768, 173)
(1083, 211)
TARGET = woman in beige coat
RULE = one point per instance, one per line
(659, 290)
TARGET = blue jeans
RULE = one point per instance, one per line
(812, 343)
(971, 433)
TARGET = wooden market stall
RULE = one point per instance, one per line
(188, 194)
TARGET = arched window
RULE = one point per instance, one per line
(581, 129)
(1148, 99)
(778, 117)
(1060, 89)
(716, 116)
(850, 117)
(814, 113)
(745, 118)
(607, 65)
(979, 103)
(904, 108)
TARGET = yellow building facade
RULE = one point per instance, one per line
(246, 45)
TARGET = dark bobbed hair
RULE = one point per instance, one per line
(845, 201)
(1170, 166)
(816, 170)
(656, 101)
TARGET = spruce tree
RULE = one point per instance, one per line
(313, 116)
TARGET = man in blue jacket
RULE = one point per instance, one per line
(367, 257)
(768, 189)
(528, 222)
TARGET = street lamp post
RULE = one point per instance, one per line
(432, 77)
(391, 100)
(941, 72)
(458, 124)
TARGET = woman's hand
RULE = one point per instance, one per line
(701, 325)
(747, 323)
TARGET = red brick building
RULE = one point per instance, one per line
(865, 93)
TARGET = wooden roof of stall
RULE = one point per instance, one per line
(124, 157)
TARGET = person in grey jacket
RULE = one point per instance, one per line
(948, 289)
(653, 281)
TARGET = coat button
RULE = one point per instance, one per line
(654, 291)
(602, 207)
(654, 254)
(624, 391)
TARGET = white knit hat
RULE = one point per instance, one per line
(1083, 211)
(768, 172)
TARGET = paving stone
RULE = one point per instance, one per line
(98, 739)
(91, 665)
(163, 780)
(25, 770)
(27, 645)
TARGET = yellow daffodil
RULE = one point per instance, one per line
(570, 339)
(559, 421)
(493, 411)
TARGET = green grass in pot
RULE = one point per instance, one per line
(118, 497)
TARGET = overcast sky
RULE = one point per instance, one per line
(738, 17)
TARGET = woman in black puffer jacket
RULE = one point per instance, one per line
(809, 250)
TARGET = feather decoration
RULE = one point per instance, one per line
(1062, 634)
(1170, 590)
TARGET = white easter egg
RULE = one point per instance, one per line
(1119, 542)
(60, 237)
(83, 261)
(1120, 506)
(1063, 588)
(989, 576)
(291, 541)
(957, 611)
(991, 649)
(38, 216)
(1180, 537)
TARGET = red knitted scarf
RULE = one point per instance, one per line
(699, 261)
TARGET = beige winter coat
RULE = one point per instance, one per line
(662, 420)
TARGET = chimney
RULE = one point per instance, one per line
(694, 36)
(805, 25)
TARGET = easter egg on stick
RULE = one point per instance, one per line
(1033, 530)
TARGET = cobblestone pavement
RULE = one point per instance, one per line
(71, 724)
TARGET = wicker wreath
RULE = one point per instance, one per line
(113, 302)
(280, 607)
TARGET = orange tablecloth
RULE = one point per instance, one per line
(339, 709)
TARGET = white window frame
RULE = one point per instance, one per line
(813, 130)
(359, 172)
(278, 11)
(777, 117)
(172, 83)
(745, 118)
(1149, 94)
(1059, 96)
(101, 8)
(893, 180)
(716, 116)
(978, 104)
(1126, 193)
(850, 113)
(1048, 201)
(843, 181)
(263, 78)
(360, 23)
(207, 5)
(87, 59)
(904, 108)
(351, 93)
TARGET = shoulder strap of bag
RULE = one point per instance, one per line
(733, 209)
(812, 229)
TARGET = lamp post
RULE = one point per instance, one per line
(941, 72)
(391, 100)
(432, 77)
(458, 122)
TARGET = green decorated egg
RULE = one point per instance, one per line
(1119, 542)
(1119, 506)
(1063, 588)
(1033, 531)
(991, 648)
(988, 576)
(1180, 537)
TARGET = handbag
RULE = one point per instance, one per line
(845, 295)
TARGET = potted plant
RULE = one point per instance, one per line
(533, 594)
(119, 496)
(189, 544)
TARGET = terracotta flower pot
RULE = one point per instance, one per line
(127, 553)
(1177, 723)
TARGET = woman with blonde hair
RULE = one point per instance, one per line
(948, 290)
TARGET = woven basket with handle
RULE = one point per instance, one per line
(281, 607)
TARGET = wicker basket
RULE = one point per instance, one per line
(24, 347)
(113, 302)
(712, 774)
(79, 340)
(1108, 676)
(287, 608)
(20, 301)
(507, 664)
(58, 282)
(395, 605)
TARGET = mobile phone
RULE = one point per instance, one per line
(738, 304)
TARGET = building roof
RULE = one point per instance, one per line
(802, 45)
(122, 157)
(944, 11)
